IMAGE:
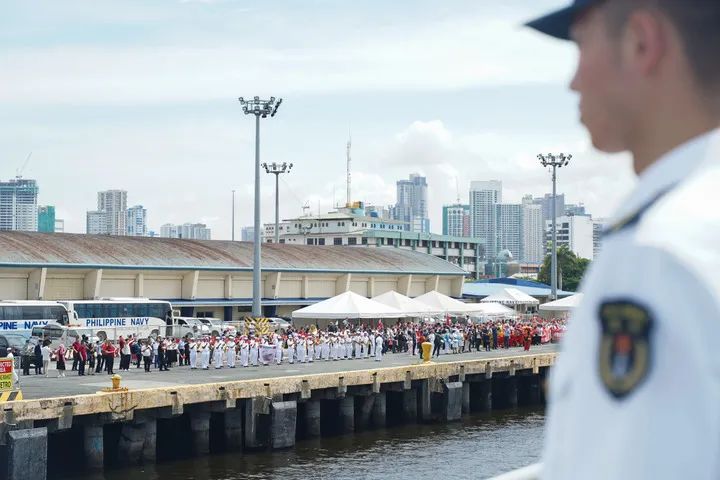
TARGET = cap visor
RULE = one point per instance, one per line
(556, 24)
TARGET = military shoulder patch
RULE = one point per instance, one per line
(625, 350)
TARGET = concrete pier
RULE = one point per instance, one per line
(452, 402)
(312, 418)
(149, 450)
(145, 426)
(283, 423)
(233, 429)
(93, 446)
(347, 414)
(466, 397)
(379, 411)
(365, 411)
(131, 443)
(200, 429)
(410, 405)
(511, 390)
(257, 411)
(424, 394)
(27, 453)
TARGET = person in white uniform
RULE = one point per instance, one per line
(193, 354)
(635, 392)
(244, 351)
(205, 355)
(218, 353)
(378, 347)
(230, 353)
(278, 349)
(254, 351)
(325, 348)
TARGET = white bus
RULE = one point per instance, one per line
(115, 317)
(21, 316)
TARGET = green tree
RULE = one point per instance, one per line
(571, 269)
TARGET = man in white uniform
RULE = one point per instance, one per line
(636, 390)
(244, 351)
(218, 353)
(230, 352)
(205, 354)
(254, 350)
(378, 347)
(193, 354)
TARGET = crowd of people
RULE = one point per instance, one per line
(339, 341)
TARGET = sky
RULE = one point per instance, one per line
(142, 95)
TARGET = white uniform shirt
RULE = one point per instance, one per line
(636, 390)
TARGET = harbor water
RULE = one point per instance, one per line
(480, 446)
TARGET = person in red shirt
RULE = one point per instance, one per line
(83, 355)
(108, 352)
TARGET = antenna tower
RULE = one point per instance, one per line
(349, 179)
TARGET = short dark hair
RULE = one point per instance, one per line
(698, 23)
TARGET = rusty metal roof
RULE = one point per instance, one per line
(66, 250)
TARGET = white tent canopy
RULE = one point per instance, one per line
(442, 303)
(511, 296)
(410, 307)
(564, 304)
(490, 309)
(348, 305)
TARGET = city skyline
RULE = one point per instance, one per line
(184, 145)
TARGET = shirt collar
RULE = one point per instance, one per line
(668, 171)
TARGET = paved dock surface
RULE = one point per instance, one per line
(38, 386)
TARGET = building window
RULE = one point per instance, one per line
(407, 243)
(364, 241)
(309, 241)
(390, 241)
(321, 241)
(337, 241)
(352, 241)
(282, 240)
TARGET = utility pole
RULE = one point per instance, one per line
(259, 108)
(554, 161)
(232, 236)
(276, 169)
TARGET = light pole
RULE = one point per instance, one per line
(554, 161)
(259, 108)
(233, 216)
(276, 169)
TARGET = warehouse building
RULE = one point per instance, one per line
(209, 278)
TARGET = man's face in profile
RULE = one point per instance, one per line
(598, 80)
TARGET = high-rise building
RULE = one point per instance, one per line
(599, 226)
(136, 221)
(114, 204)
(533, 233)
(46, 218)
(576, 209)
(412, 203)
(547, 201)
(456, 220)
(96, 223)
(576, 232)
(190, 231)
(247, 234)
(18, 205)
(483, 198)
(508, 228)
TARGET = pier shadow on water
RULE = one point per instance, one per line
(479, 446)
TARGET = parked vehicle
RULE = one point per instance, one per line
(188, 327)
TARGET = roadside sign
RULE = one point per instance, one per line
(6, 374)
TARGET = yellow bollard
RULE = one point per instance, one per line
(426, 351)
(116, 381)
